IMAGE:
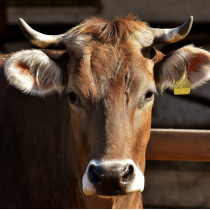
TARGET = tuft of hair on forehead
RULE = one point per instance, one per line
(112, 31)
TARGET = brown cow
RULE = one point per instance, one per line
(85, 146)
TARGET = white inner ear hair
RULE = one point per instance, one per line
(32, 71)
(176, 64)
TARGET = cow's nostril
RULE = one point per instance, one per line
(128, 174)
(93, 177)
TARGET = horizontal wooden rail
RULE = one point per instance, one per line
(179, 144)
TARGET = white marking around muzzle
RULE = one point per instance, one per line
(136, 185)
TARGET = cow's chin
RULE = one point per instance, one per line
(113, 194)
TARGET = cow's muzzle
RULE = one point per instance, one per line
(112, 178)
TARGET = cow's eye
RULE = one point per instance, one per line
(73, 99)
(146, 98)
(149, 95)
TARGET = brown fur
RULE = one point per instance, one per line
(38, 154)
(112, 31)
(110, 79)
(46, 146)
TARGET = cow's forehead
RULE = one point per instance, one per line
(109, 53)
(108, 32)
(107, 69)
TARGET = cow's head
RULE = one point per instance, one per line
(110, 75)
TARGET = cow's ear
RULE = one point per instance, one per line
(195, 61)
(34, 72)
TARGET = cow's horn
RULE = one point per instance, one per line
(39, 39)
(172, 35)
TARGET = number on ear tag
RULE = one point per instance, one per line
(182, 86)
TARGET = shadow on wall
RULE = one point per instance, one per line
(65, 11)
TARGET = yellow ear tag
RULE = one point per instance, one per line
(182, 86)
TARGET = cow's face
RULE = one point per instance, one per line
(110, 80)
(111, 92)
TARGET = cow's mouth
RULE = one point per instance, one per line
(112, 194)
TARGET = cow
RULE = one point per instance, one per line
(75, 114)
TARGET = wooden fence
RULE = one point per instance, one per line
(179, 144)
